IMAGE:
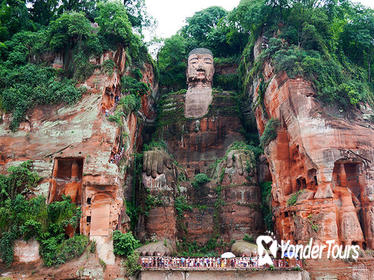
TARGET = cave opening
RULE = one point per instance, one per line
(67, 180)
(312, 178)
(347, 174)
(300, 183)
(68, 168)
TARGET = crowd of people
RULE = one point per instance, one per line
(210, 262)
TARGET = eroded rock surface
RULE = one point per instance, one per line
(81, 154)
(321, 164)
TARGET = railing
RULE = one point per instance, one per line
(243, 263)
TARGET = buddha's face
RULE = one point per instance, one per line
(200, 68)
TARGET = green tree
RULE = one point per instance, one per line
(200, 24)
(251, 15)
(124, 244)
(20, 180)
(172, 64)
(42, 11)
(225, 40)
(114, 24)
(88, 7)
(358, 37)
(69, 30)
(138, 16)
(14, 17)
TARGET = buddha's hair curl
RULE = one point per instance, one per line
(200, 51)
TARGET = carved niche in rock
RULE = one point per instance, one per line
(67, 180)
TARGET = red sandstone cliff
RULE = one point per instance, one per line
(78, 152)
(323, 158)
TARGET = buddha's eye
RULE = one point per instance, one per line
(193, 61)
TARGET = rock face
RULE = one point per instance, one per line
(79, 153)
(320, 162)
(240, 248)
(26, 251)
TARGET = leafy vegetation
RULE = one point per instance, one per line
(124, 244)
(54, 251)
(126, 105)
(132, 86)
(246, 148)
(152, 201)
(226, 82)
(132, 264)
(209, 249)
(266, 204)
(200, 180)
(33, 218)
(29, 85)
(181, 205)
(248, 238)
(314, 226)
(293, 199)
(161, 145)
(172, 63)
(133, 208)
(108, 66)
(270, 132)
(20, 180)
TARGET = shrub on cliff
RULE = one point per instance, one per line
(132, 264)
(27, 86)
(132, 86)
(270, 133)
(181, 205)
(293, 198)
(54, 251)
(159, 145)
(126, 105)
(199, 180)
(22, 218)
(20, 180)
(266, 204)
(124, 244)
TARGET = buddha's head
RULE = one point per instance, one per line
(200, 69)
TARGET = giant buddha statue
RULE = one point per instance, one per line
(201, 130)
